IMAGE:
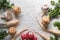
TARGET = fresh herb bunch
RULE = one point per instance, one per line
(57, 24)
(3, 34)
(52, 3)
(55, 38)
(56, 11)
(59, 1)
(5, 4)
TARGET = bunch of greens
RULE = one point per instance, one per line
(56, 11)
(5, 4)
(3, 34)
(55, 38)
(59, 1)
(57, 24)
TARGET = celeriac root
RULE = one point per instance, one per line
(14, 38)
(43, 36)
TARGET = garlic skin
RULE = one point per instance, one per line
(12, 30)
(16, 9)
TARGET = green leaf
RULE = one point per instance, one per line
(5, 4)
(57, 24)
(52, 3)
(50, 9)
(55, 38)
(51, 38)
(3, 34)
(58, 1)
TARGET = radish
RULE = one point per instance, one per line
(24, 39)
(31, 35)
(25, 36)
(35, 38)
(28, 36)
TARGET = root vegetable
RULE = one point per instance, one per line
(25, 36)
(16, 9)
(12, 31)
(43, 36)
(28, 36)
(31, 35)
(44, 9)
(53, 32)
(43, 27)
(3, 25)
(8, 24)
(45, 19)
(35, 38)
(19, 34)
(12, 23)
(7, 15)
(50, 31)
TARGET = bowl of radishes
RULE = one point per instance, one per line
(28, 36)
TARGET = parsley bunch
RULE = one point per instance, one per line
(56, 11)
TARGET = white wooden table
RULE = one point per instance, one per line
(29, 10)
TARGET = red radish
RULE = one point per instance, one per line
(24, 39)
(23, 36)
(31, 35)
(35, 38)
(27, 35)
